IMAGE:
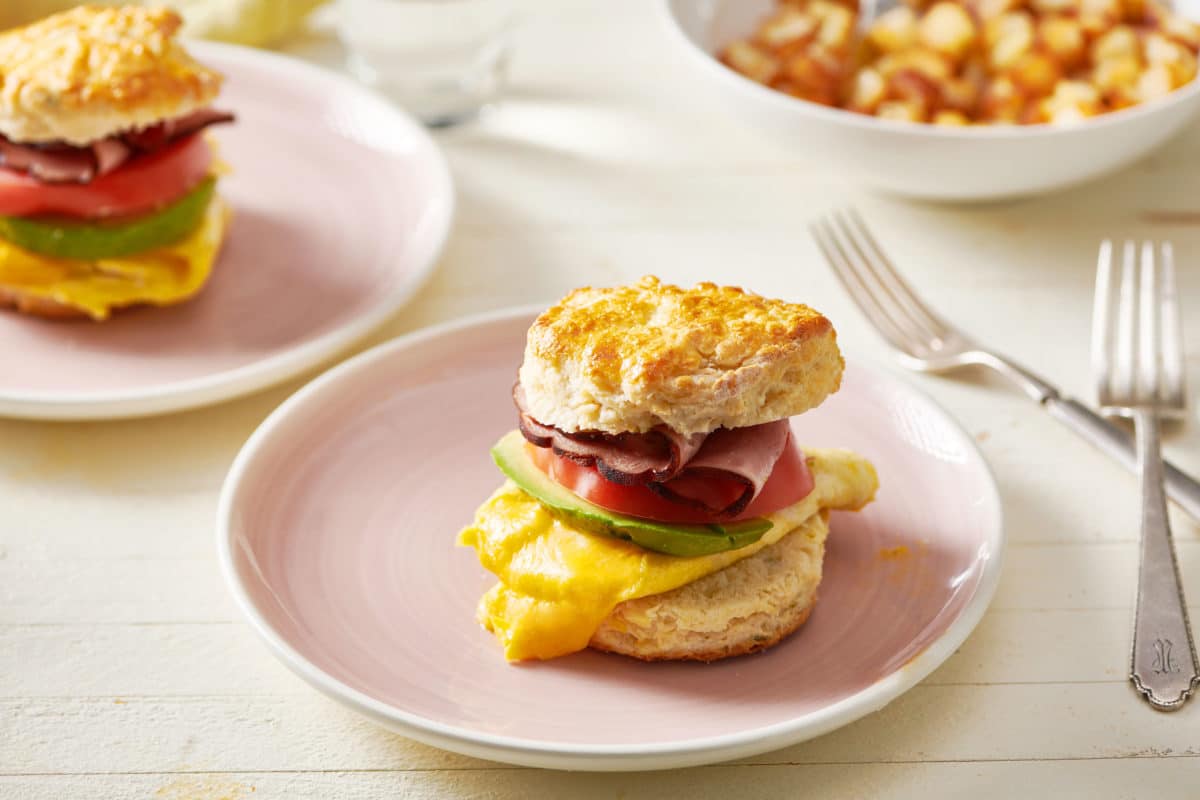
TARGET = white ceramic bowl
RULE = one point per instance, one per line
(979, 163)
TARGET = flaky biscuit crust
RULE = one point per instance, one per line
(90, 72)
(633, 357)
(742, 609)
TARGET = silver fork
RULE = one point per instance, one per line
(1137, 357)
(924, 341)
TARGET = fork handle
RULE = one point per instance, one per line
(1110, 439)
(1164, 666)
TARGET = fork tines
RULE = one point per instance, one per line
(875, 286)
(1137, 338)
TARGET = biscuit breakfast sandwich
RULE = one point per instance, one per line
(107, 185)
(657, 503)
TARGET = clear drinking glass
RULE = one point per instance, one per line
(443, 60)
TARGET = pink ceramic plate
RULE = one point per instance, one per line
(341, 205)
(337, 527)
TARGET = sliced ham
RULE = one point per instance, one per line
(162, 134)
(55, 162)
(720, 472)
(742, 458)
(49, 164)
(110, 154)
(625, 458)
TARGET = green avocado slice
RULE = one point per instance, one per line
(512, 457)
(60, 237)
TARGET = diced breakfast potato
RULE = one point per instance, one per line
(951, 118)
(752, 62)
(1002, 101)
(836, 27)
(1035, 73)
(823, 8)
(1154, 83)
(895, 30)
(1052, 6)
(1184, 73)
(966, 62)
(1110, 8)
(1117, 81)
(990, 9)
(915, 89)
(1063, 39)
(869, 90)
(930, 64)
(806, 72)
(1009, 38)
(948, 29)
(1181, 30)
(1118, 42)
(1170, 53)
(789, 25)
(1072, 101)
(1107, 12)
(900, 110)
(960, 94)
(1133, 10)
(1117, 74)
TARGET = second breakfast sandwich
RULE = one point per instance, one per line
(657, 504)
(107, 195)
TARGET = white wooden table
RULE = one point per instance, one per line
(125, 671)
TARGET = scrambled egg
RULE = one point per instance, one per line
(161, 277)
(557, 583)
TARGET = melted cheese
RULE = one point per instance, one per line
(558, 582)
(96, 287)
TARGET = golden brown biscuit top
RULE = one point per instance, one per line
(668, 331)
(631, 357)
(86, 73)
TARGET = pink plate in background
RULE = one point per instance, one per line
(341, 206)
(336, 537)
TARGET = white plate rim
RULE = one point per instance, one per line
(279, 366)
(593, 757)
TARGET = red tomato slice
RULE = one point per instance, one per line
(790, 481)
(144, 183)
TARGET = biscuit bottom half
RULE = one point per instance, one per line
(741, 609)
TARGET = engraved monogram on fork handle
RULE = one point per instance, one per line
(1164, 666)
